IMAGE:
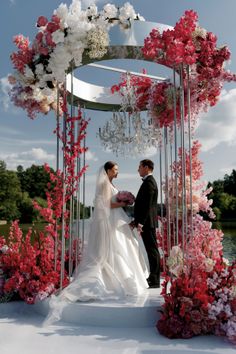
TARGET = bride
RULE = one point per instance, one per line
(112, 266)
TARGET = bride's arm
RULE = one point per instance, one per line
(118, 205)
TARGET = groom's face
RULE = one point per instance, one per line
(142, 170)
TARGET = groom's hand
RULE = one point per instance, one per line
(140, 228)
(132, 224)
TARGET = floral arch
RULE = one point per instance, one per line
(201, 298)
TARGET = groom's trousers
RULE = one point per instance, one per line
(150, 243)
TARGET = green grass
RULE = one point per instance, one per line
(4, 229)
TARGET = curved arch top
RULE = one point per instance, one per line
(124, 44)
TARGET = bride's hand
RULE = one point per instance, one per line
(118, 205)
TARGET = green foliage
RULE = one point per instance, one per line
(224, 196)
(18, 189)
(10, 193)
(230, 183)
(217, 213)
(33, 180)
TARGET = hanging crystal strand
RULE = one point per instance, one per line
(183, 160)
(167, 197)
(57, 169)
(161, 229)
(176, 158)
(190, 150)
(172, 218)
(71, 222)
(63, 196)
(78, 167)
(84, 179)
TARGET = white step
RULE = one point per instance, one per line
(142, 311)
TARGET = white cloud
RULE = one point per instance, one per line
(40, 154)
(9, 141)
(4, 96)
(228, 169)
(218, 125)
(90, 156)
(35, 156)
(128, 176)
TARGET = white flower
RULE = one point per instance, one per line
(92, 11)
(175, 261)
(233, 292)
(209, 264)
(37, 94)
(4, 249)
(39, 69)
(75, 6)
(141, 18)
(127, 13)
(226, 261)
(98, 41)
(59, 62)
(199, 32)
(110, 11)
(62, 13)
(29, 73)
(43, 81)
(58, 36)
(50, 94)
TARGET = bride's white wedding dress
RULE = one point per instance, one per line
(112, 265)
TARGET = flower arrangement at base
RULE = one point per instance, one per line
(200, 290)
(28, 264)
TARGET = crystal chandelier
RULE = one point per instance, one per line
(127, 133)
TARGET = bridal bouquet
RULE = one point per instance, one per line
(125, 196)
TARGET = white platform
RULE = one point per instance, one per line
(22, 332)
(142, 311)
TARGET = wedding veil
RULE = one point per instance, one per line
(88, 281)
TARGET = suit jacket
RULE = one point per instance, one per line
(145, 207)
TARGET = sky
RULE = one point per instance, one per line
(25, 142)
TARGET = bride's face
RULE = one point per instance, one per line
(113, 172)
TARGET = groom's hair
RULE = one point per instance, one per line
(108, 165)
(148, 163)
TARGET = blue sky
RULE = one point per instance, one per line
(23, 141)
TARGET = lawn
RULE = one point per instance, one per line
(4, 229)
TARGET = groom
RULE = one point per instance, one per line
(145, 219)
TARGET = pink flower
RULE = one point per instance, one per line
(126, 197)
(42, 21)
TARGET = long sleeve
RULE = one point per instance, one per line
(145, 209)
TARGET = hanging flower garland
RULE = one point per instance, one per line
(59, 44)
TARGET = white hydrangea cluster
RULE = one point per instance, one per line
(175, 261)
(97, 42)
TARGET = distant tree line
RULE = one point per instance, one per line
(19, 188)
(224, 196)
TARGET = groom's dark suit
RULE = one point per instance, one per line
(145, 213)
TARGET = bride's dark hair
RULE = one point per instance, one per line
(108, 165)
